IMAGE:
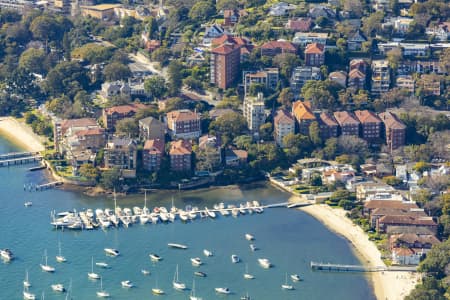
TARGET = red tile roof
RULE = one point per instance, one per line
(225, 49)
(283, 116)
(302, 24)
(389, 204)
(155, 146)
(93, 131)
(365, 116)
(345, 118)
(328, 119)
(284, 45)
(180, 147)
(355, 73)
(407, 220)
(84, 122)
(391, 121)
(124, 109)
(302, 111)
(182, 115)
(314, 48)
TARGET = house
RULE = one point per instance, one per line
(304, 38)
(230, 17)
(395, 130)
(121, 153)
(348, 123)
(405, 82)
(356, 80)
(235, 157)
(212, 32)
(116, 88)
(180, 156)
(355, 40)
(281, 9)
(430, 84)
(303, 115)
(405, 223)
(112, 115)
(314, 55)
(381, 77)
(408, 49)
(152, 154)
(151, 129)
(273, 48)
(300, 75)
(300, 24)
(322, 11)
(207, 140)
(152, 45)
(268, 77)
(419, 66)
(358, 64)
(91, 139)
(400, 24)
(440, 32)
(406, 256)
(328, 126)
(103, 12)
(340, 77)
(367, 189)
(284, 124)
(184, 124)
(253, 108)
(370, 125)
(66, 128)
(196, 58)
(224, 65)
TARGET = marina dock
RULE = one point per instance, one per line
(357, 268)
(6, 162)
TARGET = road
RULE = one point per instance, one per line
(150, 65)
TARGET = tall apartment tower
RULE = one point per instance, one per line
(225, 61)
(254, 111)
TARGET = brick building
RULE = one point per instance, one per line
(284, 124)
(180, 156)
(370, 124)
(328, 126)
(152, 154)
(303, 115)
(395, 130)
(349, 124)
(113, 114)
(184, 124)
(225, 62)
(314, 55)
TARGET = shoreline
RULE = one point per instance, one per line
(20, 134)
(387, 285)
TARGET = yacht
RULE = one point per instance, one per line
(222, 290)
(192, 296)
(246, 297)
(196, 261)
(26, 282)
(46, 267)
(265, 263)
(164, 216)
(235, 211)
(242, 209)
(192, 215)
(28, 203)
(127, 284)
(253, 247)
(258, 210)
(249, 237)
(144, 218)
(112, 252)
(155, 257)
(287, 286)
(90, 213)
(102, 293)
(102, 264)
(176, 283)
(154, 217)
(177, 246)
(58, 287)
(157, 291)
(137, 210)
(59, 257)
(27, 295)
(295, 277)
(210, 213)
(224, 212)
(207, 253)
(171, 216)
(247, 275)
(6, 254)
(200, 274)
(93, 275)
(184, 216)
(235, 259)
(145, 272)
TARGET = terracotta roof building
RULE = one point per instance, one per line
(356, 80)
(184, 124)
(64, 128)
(273, 48)
(180, 156)
(370, 124)
(268, 77)
(328, 126)
(113, 114)
(396, 224)
(152, 154)
(340, 77)
(348, 123)
(314, 55)
(303, 115)
(395, 130)
(235, 157)
(284, 124)
(224, 63)
(301, 24)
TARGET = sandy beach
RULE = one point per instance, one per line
(20, 134)
(387, 285)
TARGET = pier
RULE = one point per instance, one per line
(358, 268)
(12, 155)
(48, 185)
(19, 160)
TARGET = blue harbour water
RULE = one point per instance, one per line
(289, 238)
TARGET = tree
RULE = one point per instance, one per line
(66, 78)
(45, 28)
(392, 180)
(243, 141)
(286, 62)
(394, 57)
(93, 53)
(372, 23)
(201, 11)
(31, 60)
(127, 127)
(444, 60)
(421, 166)
(285, 97)
(227, 4)
(162, 56)
(353, 6)
(207, 158)
(156, 86)
(116, 71)
(229, 126)
(110, 179)
(266, 131)
(315, 180)
(89, 172)
(314, 134)
(322, 94)
(174, 72)
(296, 146)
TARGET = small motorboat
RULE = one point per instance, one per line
(155, 257)
(58, 288)
(6, 254)
(127, 284)
(222, 290)
(145, 272)
(295, 277)
(253, 247)
(200, 274)
(249, 237)
(235, 259)
(265, 263)
(27, 204)
(157, 291)
(112, 251)
(196, 261)
(177, 246)
(102, 265)
(207, 253)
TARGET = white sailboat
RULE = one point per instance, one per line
(156, 290)
(26, 282)
(93, 275)
(192, 296)
(102, 293)
(46, 267)
(287, 286)
(27, 295)
(247, 275)
(60, 258)
(176, 283)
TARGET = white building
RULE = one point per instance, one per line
(284, 124)
(381, 77)
(254, 111)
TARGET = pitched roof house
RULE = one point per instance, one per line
(303, 115)
(348, 123)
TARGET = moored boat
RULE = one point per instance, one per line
(46, 267)
(92, 275)
(155, 257)
(102, 264)
(145, 272)
(265, 263)
(196, 261)
(253, 247)
(127, 284)
(176, 283)
(287, 286)
(207, 253)
(58, 287)
(102, 293)
(6, 254)
(235, 259)
(295, 277)
(28, 203)
(249, 237)
(177, 246)
(222, 290)
(112, 251)
(200, 274)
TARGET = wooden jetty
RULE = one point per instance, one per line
(48, 185)
(20, 160)
(358, 268)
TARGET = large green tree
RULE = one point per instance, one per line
(229, 126)
(32, 60)
(156, 86)
(116, 71)
(175, 74)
